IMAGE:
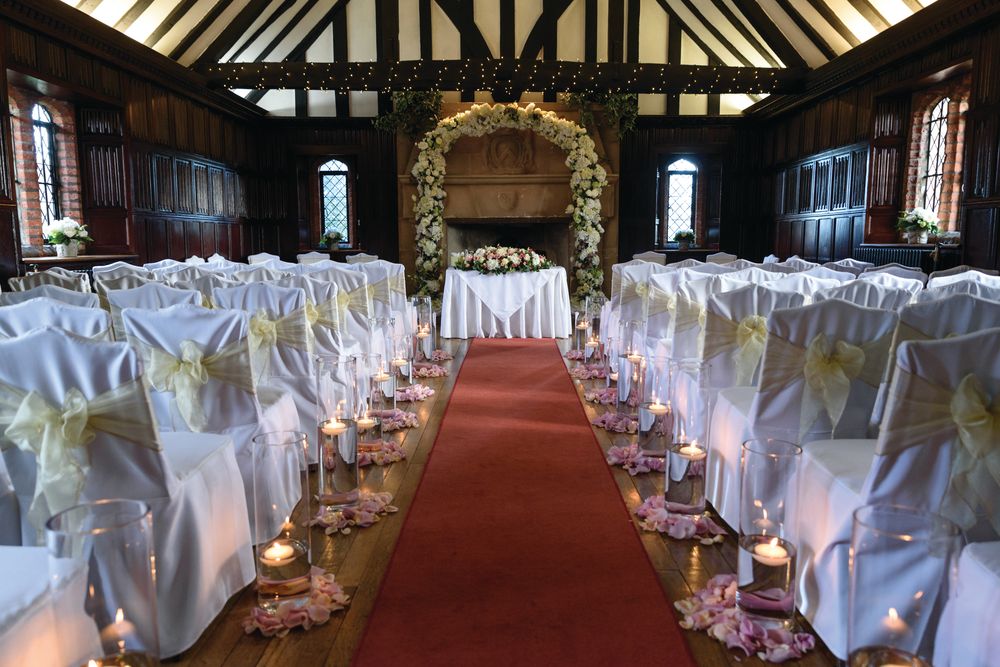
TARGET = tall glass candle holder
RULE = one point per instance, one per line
(101, 561)
(337, 433)
(581, 331)
(768, 539)
(281, 520)
(610, 352)
(655, 418)
(595, 307)
(376, 388)
(369, 427)
(401, 360)
(903, 563)
(631, 366)
(424, 331)
(383, 330)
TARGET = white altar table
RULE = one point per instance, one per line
(515, 305)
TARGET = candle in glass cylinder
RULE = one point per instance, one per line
(613, 375)
(657, 409)
(771, 553)
(593, 343)
(381, 375)
(423, 331)
(583, 326)
(634, 357)
(893, 623)
(277, 553)
(333, 426)
(119, 631)
(692, 452)
(399, 362)
(365, 423)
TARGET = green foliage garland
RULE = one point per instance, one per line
(622, 108)
(414, 113)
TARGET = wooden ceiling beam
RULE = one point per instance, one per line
(535, 40)
(831, 17)
(769, 30)
(715, 32)
(204, 24)
(871, 14)
(232, 33)
(675, 17)
(460, 14)
(808, 30)
(489, 74)
(267, 23)
(175, 15)
(133, 13)
(765, 53)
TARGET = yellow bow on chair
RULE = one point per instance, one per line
(975, 468)
(184, 376)
(751, 335)
(828, 371)
(659, 301)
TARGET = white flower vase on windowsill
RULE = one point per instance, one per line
(68, 249)
(917, 236)
(683, 245)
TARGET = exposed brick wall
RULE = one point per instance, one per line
(957, 91)
(29, 208)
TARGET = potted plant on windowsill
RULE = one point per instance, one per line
(331, 240)
(684, 238)
(917, 224)
(67, 235)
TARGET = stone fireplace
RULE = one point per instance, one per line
(510, 188)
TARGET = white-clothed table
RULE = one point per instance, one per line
(39, 627)
(515, 305)
(968, 634)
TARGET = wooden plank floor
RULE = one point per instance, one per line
(360, 560)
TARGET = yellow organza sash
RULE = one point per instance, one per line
(967, 417)
(185, 375)
(266, 334)
(383, 290)
(323, 314)
(745, 339)
(357, 300)
(659, 301)
(60, 435)
(828, 368)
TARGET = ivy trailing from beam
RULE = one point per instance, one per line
(622, 109)
(414, 113)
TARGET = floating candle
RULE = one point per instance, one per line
(614, 376)
(633, 357)
(399, 362)
(893, 623)
(381, 376)
(692, 452)
(119, 631)
(365, 423)
(333, 427)
(583, 325)
(771, 553)
(277, 553)
(423, 334)
(657, 408)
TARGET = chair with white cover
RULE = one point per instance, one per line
(969, 274)
(735, 338)
(828, 273)
(901, 270)
(651, 256)
(740, 264)
(94, 401)
(361, 258)
(57, 276)
(866, 293)
(804, 283)
(281, 265)
(388, 289)
(223, 267)
(261, 258)
(967, 634)
(819, 376)
(152, 296)
(21, 318)
(181, 274)
(257, 273)
(117, 270)
(799, 264)
(322, 311)
(322, 265)
(709, 269)
(281, 343)
(975, 288)
(72, 297)
(354, 305)
(782, 267)
(721, 258)
(311, 257)
(195, 260)
(963, 268)
(632, 287)
(224, 398)
(684, 263)
(751, 274)
(215, 258)
(770, 259)
(850, 265)
(612, 308)
(205, 284)
(162, 264)
(912, 285)
(933, 453)
(102, 286)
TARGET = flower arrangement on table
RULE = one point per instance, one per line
(66, 234)
(917, 224)
(684, 238)
(498, 260)
(331, 239)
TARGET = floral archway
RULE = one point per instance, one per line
(587, 180)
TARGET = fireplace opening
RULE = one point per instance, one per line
(549, 237)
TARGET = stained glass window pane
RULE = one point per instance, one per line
(334, 165)
(936, 132)
(682, 165)
(44, 143)
(334, 201)
(680, 197)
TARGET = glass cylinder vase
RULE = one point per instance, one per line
(902, 568)
(631, 366)
(376, 387)
(423, 325)
(383, 331)
(401, 360)
(370, 443)
(610, 352)
(768, 540)
(581, 332)
(338, 401)
(101, 559)
(282, 533)
(655, 418)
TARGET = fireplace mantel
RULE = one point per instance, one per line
(509, 221)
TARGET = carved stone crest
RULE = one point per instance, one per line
(510, 152)
(507, 200)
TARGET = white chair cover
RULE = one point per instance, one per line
(685, 263)
(261, 258)
(162, 264)
(770, 259)
(975, 288)
(782, 267)
(849, 265)
(223, 267)
(258, 273)
(740, 264)
(102, 286)
(632, 286)
(803, 283)
(152, 296)
(20, 318)
(117, 270)
(720, 258)
(868, 294)
(828, 273)
(322, 312)
(311, 257)
(901, 271)
(281, 265)
(710, 269)
(72, 297)
(689, 320)
(181, 274)
(651, 256)
(199, 376)
(58, 276)
(205, 285)
(751, 274)
(361, 258)
(194, 260)
(800, 264)
(967, 634)
(388, 289)
(215, 258)
(354, 304)
(962, 268)
(203, 557)
(969, 275)
(912, 285)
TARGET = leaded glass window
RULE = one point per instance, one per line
(335, 199)
(678, 185)
(935, 145)
(45, 162)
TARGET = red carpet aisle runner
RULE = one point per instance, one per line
(518, 549)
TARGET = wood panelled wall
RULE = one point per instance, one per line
(711, 139)
(167, 170)
(871, 116)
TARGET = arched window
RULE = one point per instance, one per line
(336, 200)
(45, 162)
(678, 186)
(935, 149)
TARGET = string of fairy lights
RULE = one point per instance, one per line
(506, 74)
